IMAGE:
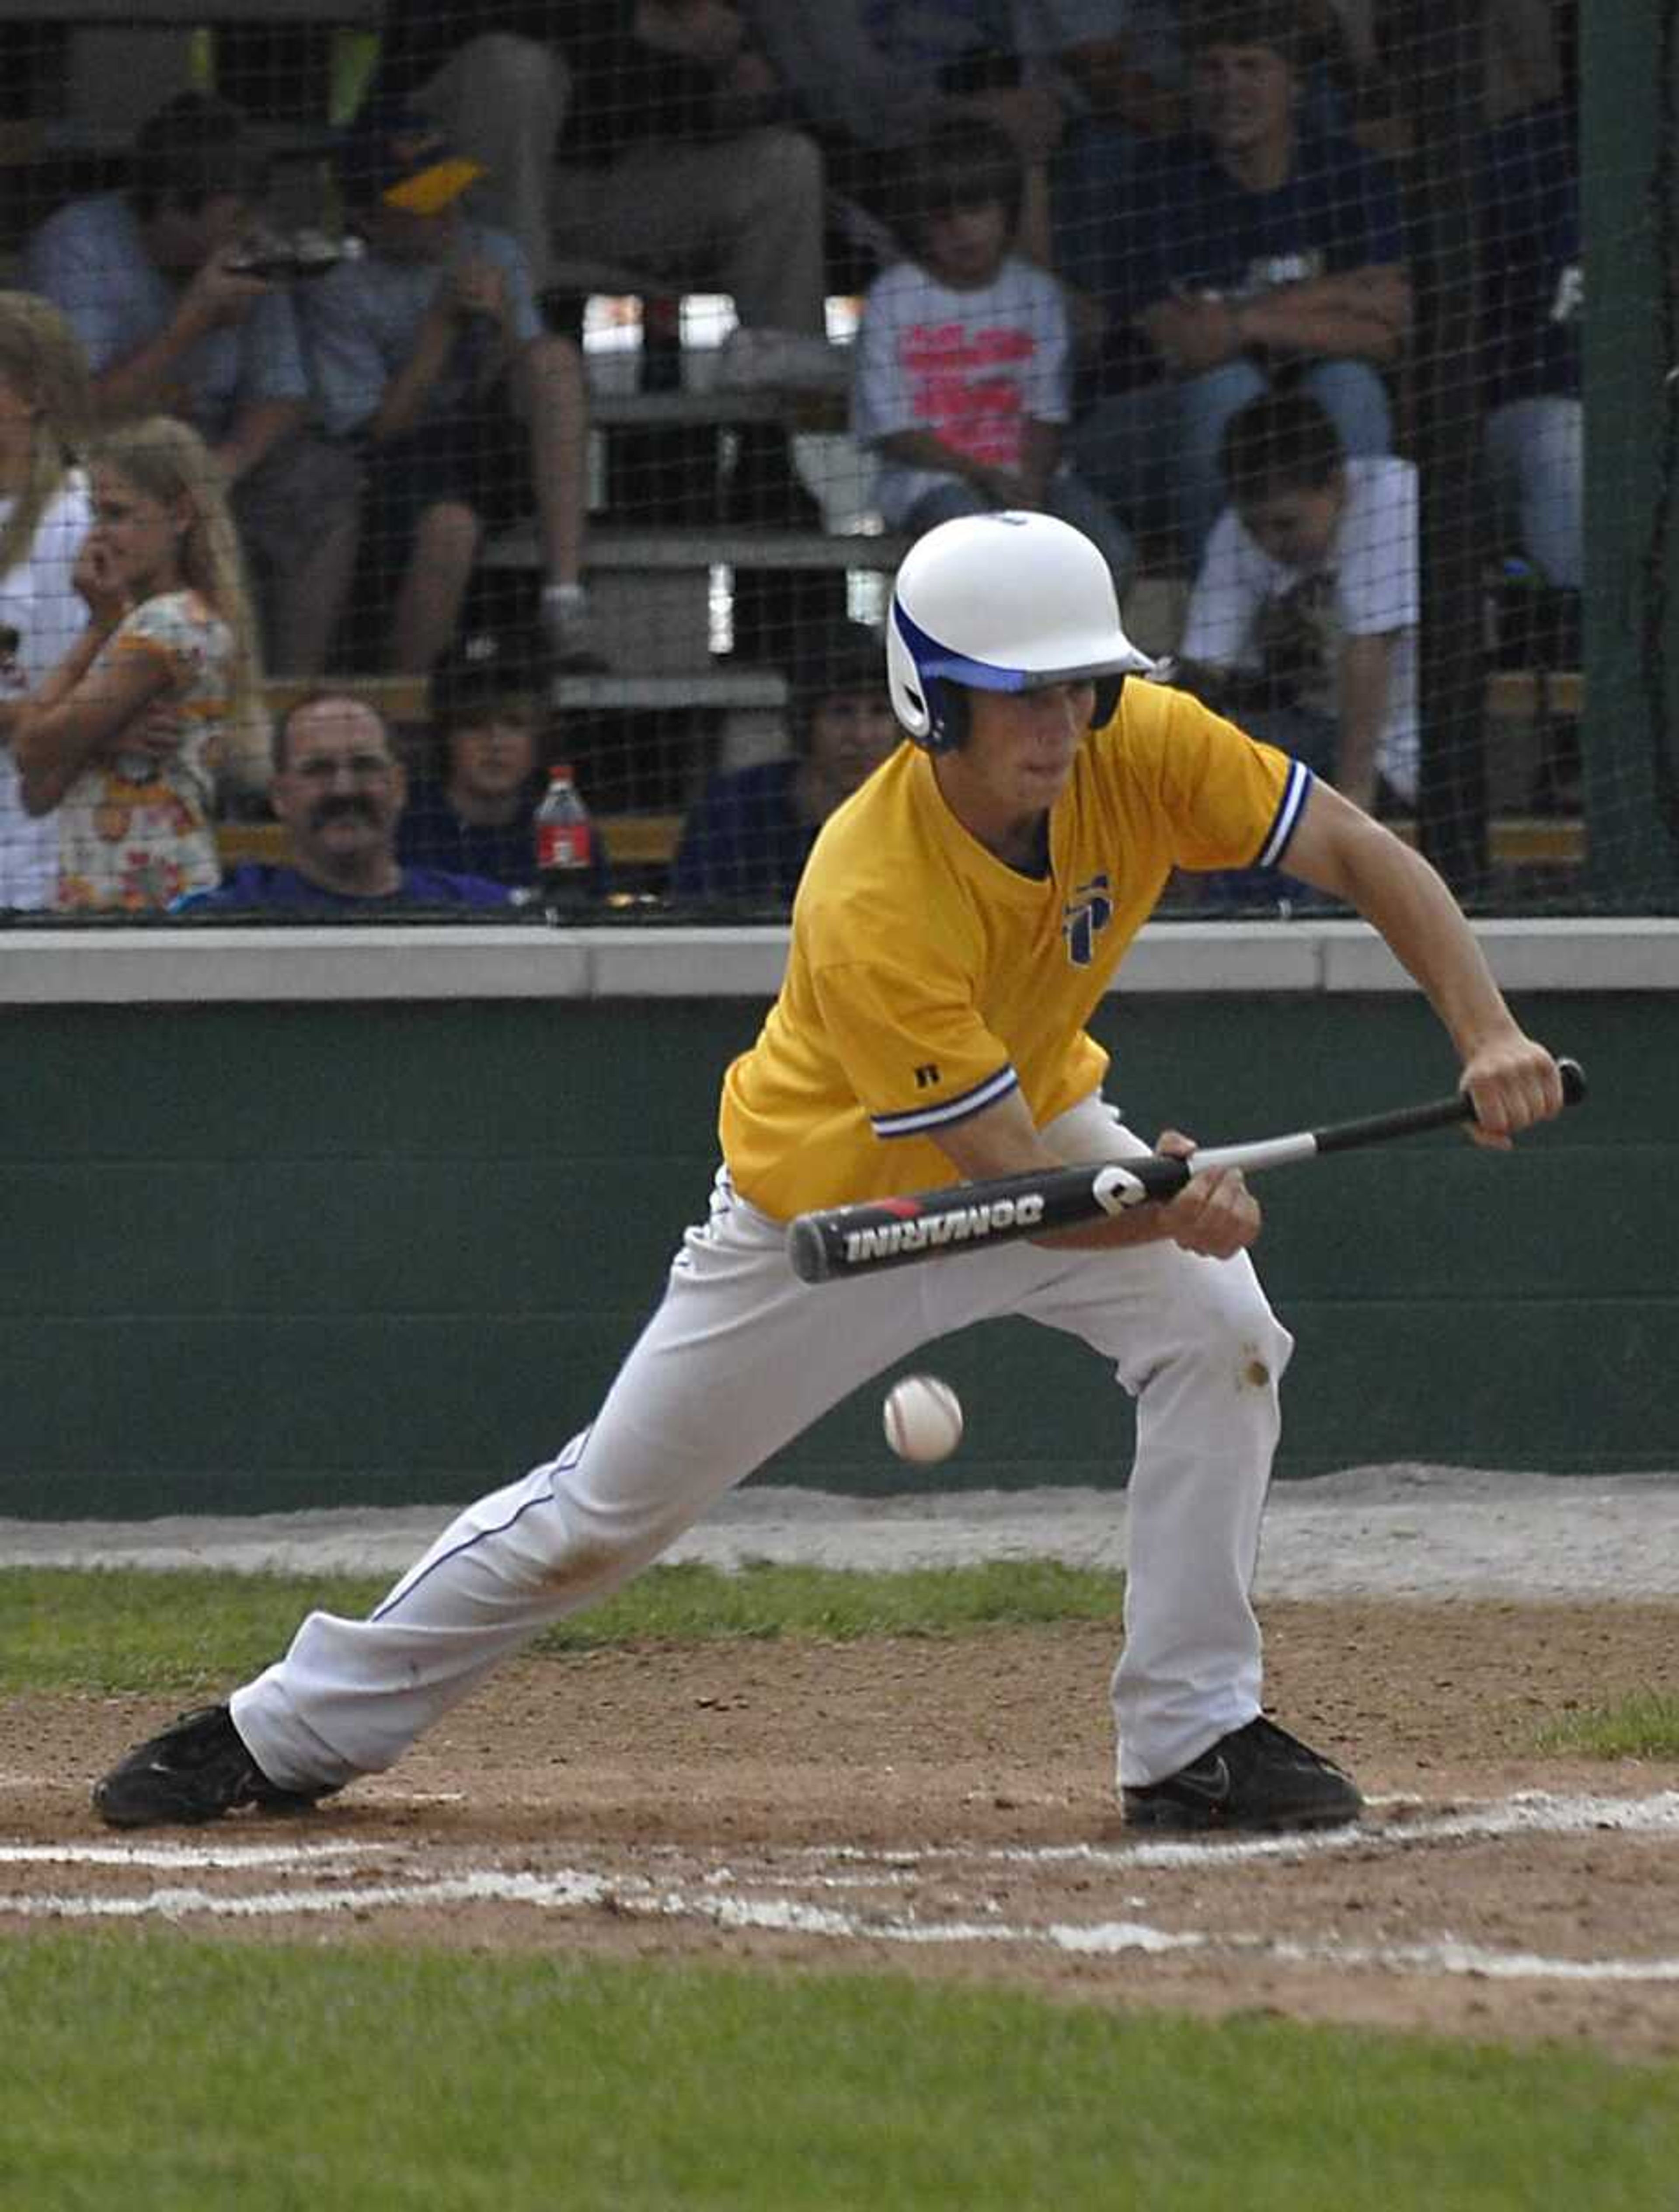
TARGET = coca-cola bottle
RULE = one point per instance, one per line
(564, 843)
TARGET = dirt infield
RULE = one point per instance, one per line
(945, 1807)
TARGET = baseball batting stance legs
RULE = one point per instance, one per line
(726, 1376)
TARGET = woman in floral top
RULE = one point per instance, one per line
(123, 738)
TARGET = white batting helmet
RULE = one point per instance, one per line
(1005, 602)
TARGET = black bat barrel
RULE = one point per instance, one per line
(894, 1232)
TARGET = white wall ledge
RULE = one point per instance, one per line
(209, 966)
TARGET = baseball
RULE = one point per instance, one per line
(923, 1418)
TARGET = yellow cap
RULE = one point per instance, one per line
(434, 187)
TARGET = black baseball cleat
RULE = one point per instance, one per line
(195, 1769)
(1257, 1778)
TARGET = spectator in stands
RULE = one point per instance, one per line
(644, 132)
(1133, 81)
(872, 78)
(429, 352)
(1249, 253)
(1129, 69)
(338, 789)
(632, 132)
(1529, 48)
(488, 718)
(750, 834)
(124, 739)
(962, 367)
(46, 511)
(1533, 290)
(145, 278)
(1302, 621)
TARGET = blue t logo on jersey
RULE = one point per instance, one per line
(1083, 918)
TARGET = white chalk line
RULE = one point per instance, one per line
(157, 1856)
(1535, 1811)
(577, 1890)
(571, 1890)
(1529, 1812)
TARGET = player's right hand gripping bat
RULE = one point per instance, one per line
(896, 1232)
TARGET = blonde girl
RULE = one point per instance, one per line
(123, 738)
(44, 514)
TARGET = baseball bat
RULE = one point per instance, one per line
(896, 1232)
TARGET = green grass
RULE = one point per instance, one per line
(1643, 1726)
(164, 2074)
(112, 1631)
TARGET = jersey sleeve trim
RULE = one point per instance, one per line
(925, 1119)
(1286, 820)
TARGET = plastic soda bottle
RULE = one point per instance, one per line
(565, 841)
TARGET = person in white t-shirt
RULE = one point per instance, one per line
(1302, 619)
(46, 511)
(963, 357)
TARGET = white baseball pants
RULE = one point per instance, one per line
(742, 1357)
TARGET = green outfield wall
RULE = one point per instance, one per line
(316, 1218)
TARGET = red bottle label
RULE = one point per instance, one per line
(564, 845)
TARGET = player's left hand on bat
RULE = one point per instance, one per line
(1514, 1083)
(1216, 1215)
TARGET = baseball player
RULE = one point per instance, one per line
(959, 918)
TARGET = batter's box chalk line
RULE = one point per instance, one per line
(710, 1900)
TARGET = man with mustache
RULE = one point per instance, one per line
(338, 789)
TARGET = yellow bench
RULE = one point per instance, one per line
(632, 840)
(1524, 840)
(1525, 694)
(399, 698)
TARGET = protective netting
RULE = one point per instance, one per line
(569, 377)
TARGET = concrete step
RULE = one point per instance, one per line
(407, 698)
(800, 410)
(711, 547)
(717, 690)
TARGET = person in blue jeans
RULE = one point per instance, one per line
(431, 360)
(1533, 293)
(153, 281)
(1252, 251)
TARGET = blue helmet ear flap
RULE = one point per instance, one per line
(952, 718)
(932, 709)
(950, 714)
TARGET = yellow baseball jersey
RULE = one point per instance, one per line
(927, 979)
